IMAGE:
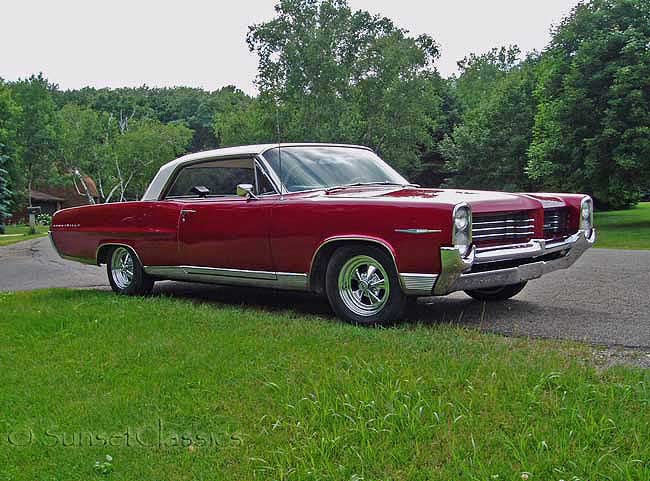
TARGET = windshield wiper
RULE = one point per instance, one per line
(358, 184)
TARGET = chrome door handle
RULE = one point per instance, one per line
(184, 213)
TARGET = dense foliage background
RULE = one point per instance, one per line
(575, 117)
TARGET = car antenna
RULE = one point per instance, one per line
(279, 140)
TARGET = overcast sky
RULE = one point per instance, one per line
(202, 43)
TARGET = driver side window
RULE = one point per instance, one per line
(220, 177)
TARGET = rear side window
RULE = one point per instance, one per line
(220, 177)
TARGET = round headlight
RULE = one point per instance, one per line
(586, 214)
(461, 220)
(462, 239)
(462, 236)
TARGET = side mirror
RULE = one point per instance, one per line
(246, 190)
(201, 190)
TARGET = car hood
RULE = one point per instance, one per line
(479, 200)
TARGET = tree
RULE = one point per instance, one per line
(488, 150)
(251, 124)
(38, 129)
(140, 150)
(9, 113)
(84, 146)
(5, 193)
(480, 73)
(592, 128)
(329, 74)
(195, 107)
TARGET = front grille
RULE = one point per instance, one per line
(503, 227)
(555, 223)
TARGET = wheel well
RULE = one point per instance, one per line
(324, 253)
(104, 251)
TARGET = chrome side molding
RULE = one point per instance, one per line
(235, 277)
(418, 231)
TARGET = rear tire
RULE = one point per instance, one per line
(125, 273)
(500, 293)
(363, 287)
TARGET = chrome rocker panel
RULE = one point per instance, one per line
(454, 275)
(233, 277)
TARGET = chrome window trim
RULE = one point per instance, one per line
(158, 184)
(171, 176)
(270, 174)
(259, 168)
(256, 164)
(311, 144)
(284, 190)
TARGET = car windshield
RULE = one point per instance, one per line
(325, 167)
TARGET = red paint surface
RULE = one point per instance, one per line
(274, 234)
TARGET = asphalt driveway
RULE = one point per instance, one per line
(603, 299)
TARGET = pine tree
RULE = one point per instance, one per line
(5, 192)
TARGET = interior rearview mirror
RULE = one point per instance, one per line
(246, 190)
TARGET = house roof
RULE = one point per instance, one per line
(42, 196)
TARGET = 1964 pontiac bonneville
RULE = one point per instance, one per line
(331, 219)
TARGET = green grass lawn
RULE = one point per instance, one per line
(624, 229)
(12, 230)
(278, 396)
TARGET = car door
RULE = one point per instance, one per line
(216, 227)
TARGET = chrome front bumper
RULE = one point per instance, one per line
(456, 271)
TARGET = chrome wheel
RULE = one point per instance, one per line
(364, 285)
(122, 267)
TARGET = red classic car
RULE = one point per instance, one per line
(331, 219)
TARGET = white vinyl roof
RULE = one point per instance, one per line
(162, 177)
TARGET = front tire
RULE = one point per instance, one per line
(125, 273)
(500, 293)
(363, 287)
